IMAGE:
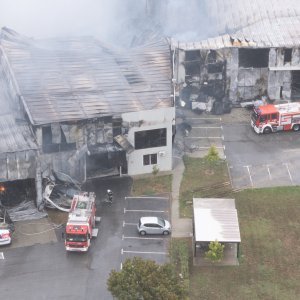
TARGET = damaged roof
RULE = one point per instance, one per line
(261, 24)
(15, 134)
(80, 78)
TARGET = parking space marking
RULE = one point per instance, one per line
(205, 137)
(144, 210)
(205, 119)
(1, 255)
(130, 224)
(204, 127)
(140, 238)
(287, 166)
(270, 176)
(142, 252)
(146, 197)
(248, 169)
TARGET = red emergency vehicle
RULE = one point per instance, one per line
(82, 218)
(272, 118)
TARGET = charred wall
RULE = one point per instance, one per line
(77, 148)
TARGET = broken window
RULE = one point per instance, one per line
(253, 58)
(150, 138)
(150, 159)
(287, 55)
(192, 62)
(295, 86)
(212, 57)
(48, 144)
(117, 126)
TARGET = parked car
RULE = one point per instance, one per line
(5, 236)
(153, 225)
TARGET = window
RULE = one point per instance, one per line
(50, 147)
(150, 138)
(287, 55)
(253, 58)
(150, 159)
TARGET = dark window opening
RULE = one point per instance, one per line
(49, 147)
(274, 116)
(150, 138)
(117, 126)
(212, 56)
(215, 67)
(253, 58)
(287, 55)
(47, 135)
(150, 159)
(295, 86)
(192, 62)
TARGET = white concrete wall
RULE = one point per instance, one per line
(148, 120)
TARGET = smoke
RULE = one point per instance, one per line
(119, 21)
(58, 18)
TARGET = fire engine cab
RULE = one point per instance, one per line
(80, 227)
(272, 118)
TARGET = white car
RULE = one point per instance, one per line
(5, 237)
(153, 225)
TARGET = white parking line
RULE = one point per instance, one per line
(130, 224)
(144, 252)
(205, 119)
(198, 147)
(270, 176)
(141, 210)
(1, 255)
(248, 168)
(204, 127)
(141, 238)
(204, 137)
(146, 197)
(286, 164)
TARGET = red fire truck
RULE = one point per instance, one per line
(272, 118)
(82, 218)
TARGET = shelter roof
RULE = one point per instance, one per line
(215, 219)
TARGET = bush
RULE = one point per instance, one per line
(215, 252)
(212, 155)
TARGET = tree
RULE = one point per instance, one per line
(144, 279)
(215, 252)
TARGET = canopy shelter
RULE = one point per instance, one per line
(216, 219)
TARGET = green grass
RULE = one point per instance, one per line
(270, 250)
(270, 233)
(153, 185)
(202, 179)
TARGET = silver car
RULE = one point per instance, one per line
(153, 225)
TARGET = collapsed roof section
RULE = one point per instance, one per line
(79, 78)
(262, 23)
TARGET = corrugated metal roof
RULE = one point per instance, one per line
(260, 23)
(215, 219)
(15, 134)
(79, 78)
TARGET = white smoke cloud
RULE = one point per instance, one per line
(53, 18)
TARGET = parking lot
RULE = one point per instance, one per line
(154, 247)
(254, 161)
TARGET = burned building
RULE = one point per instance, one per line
(236, 50)
(92, 110)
